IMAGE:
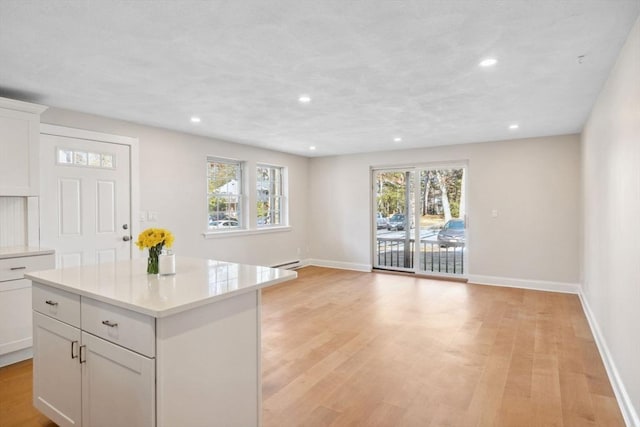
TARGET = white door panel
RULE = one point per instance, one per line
(105, 255)
(105, 207)
(69, 201)
(69, 259)
(86, 200)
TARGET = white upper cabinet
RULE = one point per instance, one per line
(19, 136)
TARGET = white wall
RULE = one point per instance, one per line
(173, 183)
(533, 183)
(611, 198)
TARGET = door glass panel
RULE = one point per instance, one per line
(94, 159)
(442, 216)
(80, 158)
(394, 220)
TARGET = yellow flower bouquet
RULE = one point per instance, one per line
(154, 239)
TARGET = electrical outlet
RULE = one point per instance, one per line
(153, 216)
(143, 216)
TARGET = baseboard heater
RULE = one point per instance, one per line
(291, 265)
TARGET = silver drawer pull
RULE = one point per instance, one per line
(109, 323)
(74, 349)
(17, 268)
(83, 356)
(53, 303)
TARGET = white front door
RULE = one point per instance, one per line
(85, 200)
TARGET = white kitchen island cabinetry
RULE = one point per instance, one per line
(80, 379)
(146, 350)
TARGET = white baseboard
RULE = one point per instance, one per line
(629, 413)
(16, 356)
(538, 285)
(337, 264)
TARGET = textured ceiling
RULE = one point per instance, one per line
(375, 69)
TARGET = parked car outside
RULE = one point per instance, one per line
(381, 221)
(452, 232)
(224, 223)
(396, 222)
(218, 216)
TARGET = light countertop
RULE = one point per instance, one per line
(19, 251)
(197, 282)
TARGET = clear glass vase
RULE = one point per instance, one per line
(152, 261)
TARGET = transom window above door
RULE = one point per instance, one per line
(71, 157)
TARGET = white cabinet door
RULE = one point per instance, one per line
(15, 315)
(56, 371)
(19, 132)
(118, 385)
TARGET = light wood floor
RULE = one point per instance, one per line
(16, 409)
(343, 348)
(347, 348)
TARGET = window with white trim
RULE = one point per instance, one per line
(224, 194)
(271, 200)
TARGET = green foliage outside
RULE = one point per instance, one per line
(391, 193)
(391, 189)
(263, 209)
(452, 179)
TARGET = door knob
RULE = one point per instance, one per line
(126, 238)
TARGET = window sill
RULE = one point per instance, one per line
(233, 233)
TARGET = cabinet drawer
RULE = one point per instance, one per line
(57, 303)
(14, 268)
(124, 327)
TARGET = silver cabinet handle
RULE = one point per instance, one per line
(83, 356)
(17, 268)
(126, 238)
(109, 323)
(74, 349)
(49, 302)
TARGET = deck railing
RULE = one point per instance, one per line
(434, 256)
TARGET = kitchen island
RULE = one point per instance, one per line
(116, 346)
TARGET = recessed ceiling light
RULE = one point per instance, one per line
(195, 119)
(489, 62)
(312, 148)
(304, 99)
(397, 139)
(514, 126)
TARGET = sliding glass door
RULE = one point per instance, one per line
(442, 221)
(394, 219)
(438, 219)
